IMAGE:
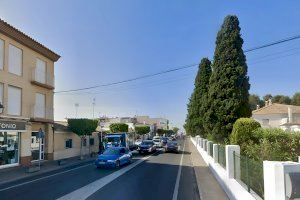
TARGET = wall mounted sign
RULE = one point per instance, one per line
(12, 125)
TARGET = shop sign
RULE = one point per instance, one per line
(12, 126)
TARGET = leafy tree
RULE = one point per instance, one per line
(142, 130)
(267, 97)
(281, 99)
(198, 101)
(118, 127)
(82, 128)
(228, 96)
(160, 131)
(255, 100)
(296, 99)
(175, 129)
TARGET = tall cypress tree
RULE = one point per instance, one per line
(229, 84)
(197, 105)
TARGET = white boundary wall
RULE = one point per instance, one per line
(232, 188)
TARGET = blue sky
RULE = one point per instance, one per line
(107, 41)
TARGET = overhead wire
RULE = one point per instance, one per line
(174, 69)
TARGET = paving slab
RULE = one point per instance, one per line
(208, 186)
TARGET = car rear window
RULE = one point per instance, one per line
(111, 151)
(147, 142)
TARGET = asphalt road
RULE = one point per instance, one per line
(157, 177)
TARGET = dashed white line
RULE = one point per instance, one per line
(175, 193)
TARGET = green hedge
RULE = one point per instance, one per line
(275, 144)
(242, 132)
(118, 127)
(141, 130)
(265, 144)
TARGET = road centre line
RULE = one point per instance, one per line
(176, 188)
(45, 177)
(86, 191)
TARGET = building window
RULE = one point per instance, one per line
(15, 60)
(1, 93)
(9, 152)
(40, 71)
(14, 104)
(69, 143)
(84, 142)
(92, 141)
(1, 54)
(40, 105)
(265, 121)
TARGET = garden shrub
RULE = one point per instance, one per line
(275, 144)
(243, 132)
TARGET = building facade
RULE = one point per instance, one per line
(26, 93)
(67, 144)
(158, 123)
(274, 115)
(105, 122)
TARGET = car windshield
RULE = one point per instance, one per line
(147, 142)
(111, 151)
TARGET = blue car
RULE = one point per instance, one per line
(114, 157)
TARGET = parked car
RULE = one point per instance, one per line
(138, 142)
(147, 146)
(172, 146)
(114, 157)
(156, 140)
(164, 141)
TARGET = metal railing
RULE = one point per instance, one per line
(210, 147)
(42, 77)
(222, 156)
(251, 173)
(42, 112)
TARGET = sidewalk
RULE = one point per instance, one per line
(17, 173)
(208, 186)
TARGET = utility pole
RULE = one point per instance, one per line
(76, 108)
(94, 103)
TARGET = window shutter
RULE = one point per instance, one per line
(14, 105)
(1, 54)
(40, 102)
(1, 93)
(40, 71)
(15, 60)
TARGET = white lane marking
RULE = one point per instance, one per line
(88, 190)
(44, 177)
(175, 193)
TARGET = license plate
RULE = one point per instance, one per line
(101, 163)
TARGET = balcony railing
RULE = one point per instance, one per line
(39, 113)
(42, 78)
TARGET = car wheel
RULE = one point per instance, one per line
(117, 164)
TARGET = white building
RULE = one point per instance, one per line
(275, 115)
(105, 122)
